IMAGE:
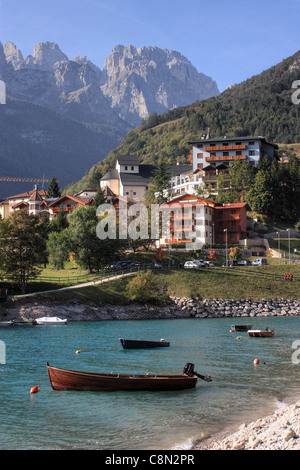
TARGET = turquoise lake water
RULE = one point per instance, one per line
(70, 420)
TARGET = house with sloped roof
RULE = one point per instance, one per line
(21, 201)
(128, 177)
(67, 204)
(132, 179)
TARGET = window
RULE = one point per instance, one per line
(134, 193)
(251, 143)
(132, 168)
(251, 153)
(125, 168)
(225, 154)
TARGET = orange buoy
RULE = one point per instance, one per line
(256, 362)
(34, 389)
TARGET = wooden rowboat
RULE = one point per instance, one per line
(62, 379)
(142, 344)
(266, 333)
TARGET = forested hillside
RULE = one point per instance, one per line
(261, 105)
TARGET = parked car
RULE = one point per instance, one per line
(121, 264)
(199, 262)
(259, 262)
(135, 265)
(232, 262)
(244, 262)
(155, 265)
(208, 263)
(192, 264)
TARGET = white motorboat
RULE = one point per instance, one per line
(50, 321)
(6, 323)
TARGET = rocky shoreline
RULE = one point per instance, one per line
(278, 431)
(179, 307)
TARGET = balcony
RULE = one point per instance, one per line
(213, 178)
(226, 158)
(225, 147)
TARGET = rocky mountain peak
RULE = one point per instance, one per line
(139, 81)
(45, 55)
(13, 55)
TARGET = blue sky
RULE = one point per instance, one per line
(229, 40)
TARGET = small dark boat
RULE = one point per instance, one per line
(25, 323)
(143, 344)
(266, 333)
(62, 379)
(241, 327)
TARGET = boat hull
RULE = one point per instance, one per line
(6, 323)
(241, 327)
(142, 344)
(261, 334)
(62, 379)
(50, 321)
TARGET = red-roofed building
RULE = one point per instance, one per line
(67, 204)
(194, 219)
(21, 201)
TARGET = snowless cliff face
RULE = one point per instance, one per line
(133, 84)
(141, 81)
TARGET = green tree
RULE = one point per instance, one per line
(160, 188)
(90, 251)
(22, 247)
(290, 189)
(144, 288)
(59, 222)
(99, 198)
(241, 178)
(53, 188)
(222, 192)
(58, 247)
(260, 195)
(152, 120)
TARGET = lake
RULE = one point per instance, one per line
(70, 420)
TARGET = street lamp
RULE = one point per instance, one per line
(225, 230)
(279, 246)
(289, 245)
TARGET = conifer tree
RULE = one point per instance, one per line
(53, 188)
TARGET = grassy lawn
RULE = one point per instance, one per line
(210, 283)
(284, 246)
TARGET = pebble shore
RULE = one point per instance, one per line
(278, 431)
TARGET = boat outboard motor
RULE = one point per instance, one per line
(189, 370)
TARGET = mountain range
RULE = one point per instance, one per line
(62, 116)
(263, 105)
